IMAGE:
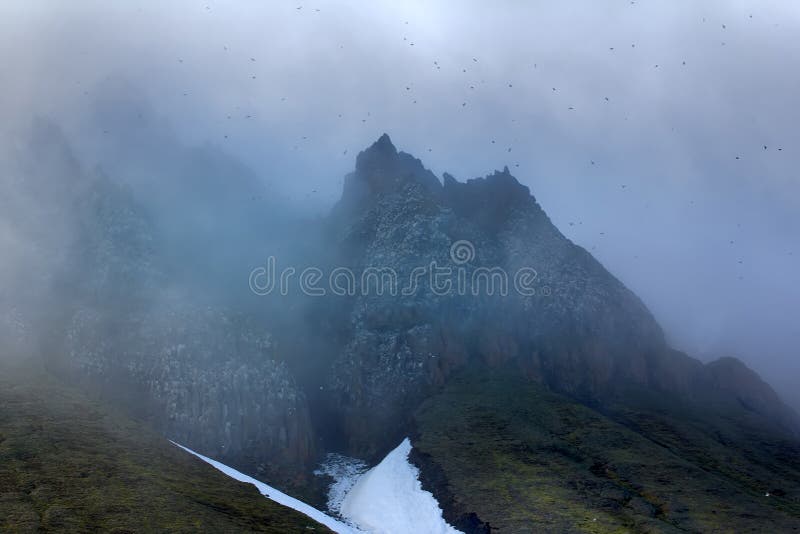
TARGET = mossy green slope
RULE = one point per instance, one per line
(69, 465)
(524, 459)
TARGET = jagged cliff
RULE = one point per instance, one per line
(558, 404)
(574, 327)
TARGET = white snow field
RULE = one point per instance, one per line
(387, 499)
(277, 496)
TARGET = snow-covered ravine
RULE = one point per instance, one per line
(387, 499)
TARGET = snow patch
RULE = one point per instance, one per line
(277, 496)
(389, 499)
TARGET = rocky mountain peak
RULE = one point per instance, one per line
(383, 170)
(380, 151)
(584, 334)
(488, 201)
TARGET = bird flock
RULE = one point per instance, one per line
(474, 83)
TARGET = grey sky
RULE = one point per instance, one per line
(632, 152)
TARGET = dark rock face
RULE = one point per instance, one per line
(201, 377)
(579, 330)
(731, 378)
(204, 376)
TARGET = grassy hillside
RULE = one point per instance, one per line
(67, 464)
(523, 459)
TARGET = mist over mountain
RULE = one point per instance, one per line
(270, 383)
(681, 191)
(258, 233)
